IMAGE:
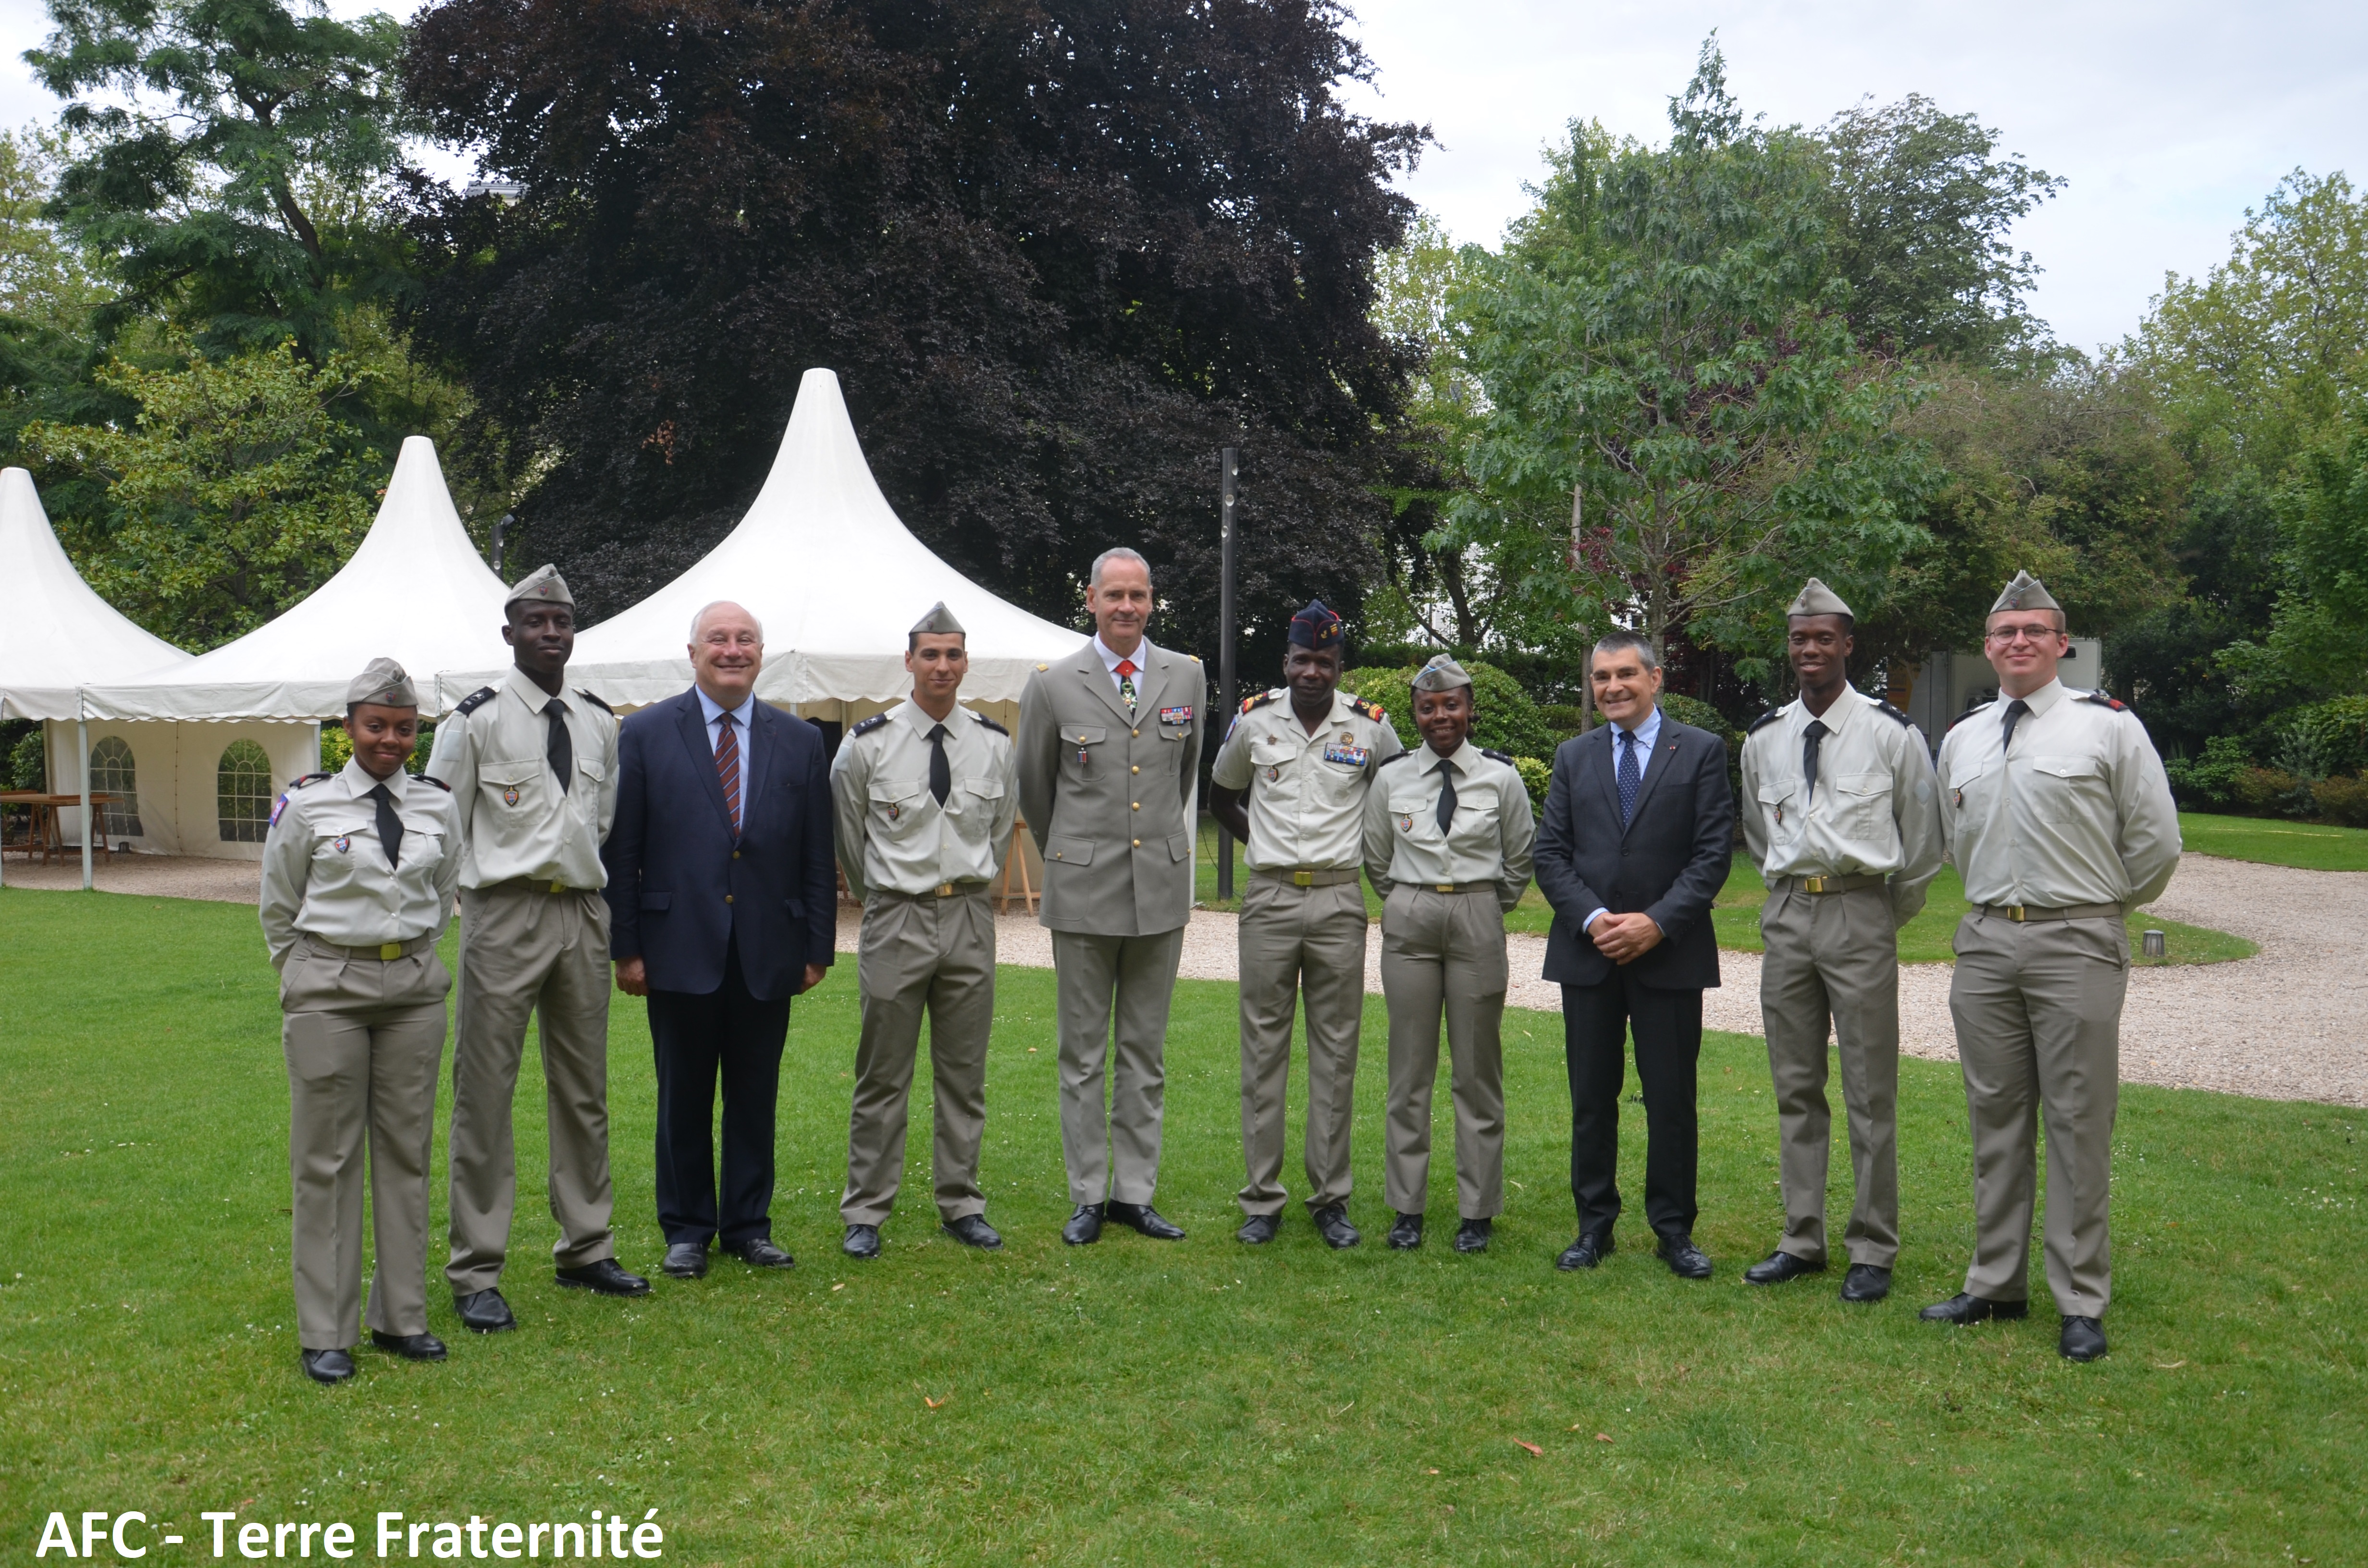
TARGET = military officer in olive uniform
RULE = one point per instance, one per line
(925, 797)
(359, 869)
(1448, 840)
(1291, 781)
(1108, 754)
(2058, 815)
(532, 767)
(1841, 817)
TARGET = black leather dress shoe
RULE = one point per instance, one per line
(1259, 1229)
(1686, 1260)
(1405, 1234)
(1332, 1224)
(1085, 1226)
(860, 1240)
(1778, 1266)
(1473, 1235)
(1866, 1282)
(484, 1311)
(973, 1231)
(758, 1252)
(1963, 1307)
(1587, 1252)
(1143, 1217)
(327, 1366)
(410, 1346)
(686, 1260)
(2084, 1339)
(604, 1278)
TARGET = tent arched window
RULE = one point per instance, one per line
(243, 793)
(113, 773)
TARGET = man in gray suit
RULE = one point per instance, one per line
(1109, 749)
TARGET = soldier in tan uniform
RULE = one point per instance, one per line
(1108, 754)
(359, 869)
(1448, 839)
(2059, 817)
(925, 797)
(532, 767)
(1291, 781)
(1841, 817)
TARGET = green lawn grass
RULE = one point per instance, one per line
(2309, 845)
(1144, 1404)
(1736, 915)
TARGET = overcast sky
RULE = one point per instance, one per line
(2169, 118)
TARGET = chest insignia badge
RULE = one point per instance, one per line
(1273, 774)
(1957, 797)
(1175, 715)
(1780, 816)
(1351, 755)
(510, 796)
(894, 811)
(1405, 822)
(341, 844)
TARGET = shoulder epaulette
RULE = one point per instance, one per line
(431, 778)
(1504, 756)
(865, 726)
(1395, 756)
(293, 785)
(988, 722)
(477, 699)
(595, 701)
(2101, 701)
(1888, 712)
(1365, 710)
(1978, 707)
(1261, 698)
(1765, 720)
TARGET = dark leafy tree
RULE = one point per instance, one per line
(1058, 251)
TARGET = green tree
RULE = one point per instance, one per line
(234, 162)
(235, 492)
(1679, 420)
(2317, 639)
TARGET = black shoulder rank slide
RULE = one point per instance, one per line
(431, 778)
(865, 727)
(988, 722)
(1365, 710)
(594, 701)
(1888, 712)
(1395, 756)
(1504, 756)
(295, 784)
(2099, 697)
(1260, 700)
(1764, 720)
(1978, 708)
(476, 699)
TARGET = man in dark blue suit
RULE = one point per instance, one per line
(1638, 831)
(723, 907)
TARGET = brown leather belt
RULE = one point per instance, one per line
(2020, 913)
(943, 889)
(1451, 887)
(380, 952)
(1852, 884)
(1308, 876)
(531, 885)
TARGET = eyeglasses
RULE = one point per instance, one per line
(2005, 636)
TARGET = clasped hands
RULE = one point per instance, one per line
(634, 977)
(1624, 938)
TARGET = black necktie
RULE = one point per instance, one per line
(1815, 732)
(1446, 771)
(562, 754)
(389, 826)
(941, 774)
(2014, 712)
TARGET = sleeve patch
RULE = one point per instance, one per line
(594, 699)
(479, 698)
(868, 725)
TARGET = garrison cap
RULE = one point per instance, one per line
(383, 682)
(938, 622)
(1442, 674)
(2026, 592)
(1816, 598)
(541, 585)
(1317, 626)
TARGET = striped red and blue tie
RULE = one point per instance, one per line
(727, 766)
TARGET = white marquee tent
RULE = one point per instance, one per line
(216, 738)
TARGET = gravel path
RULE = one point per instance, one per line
(2289, 1024)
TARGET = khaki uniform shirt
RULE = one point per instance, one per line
(891, 833)
(1488, 840)
(325, 871)
(495, 753)
(2078, 812)
(1876, 810)
(1307, 792)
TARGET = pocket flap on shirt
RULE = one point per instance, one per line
(1863, 783)
(1268, 753)
(891, 789)
(1772, 790)
(586, 767)
(2069, 766)
(1964, 773)
(1083, 734)
(990, 788)
(509, 773)
(1069, 851)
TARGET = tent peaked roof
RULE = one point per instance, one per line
(55, 633)
(835, 577)
(416, 592)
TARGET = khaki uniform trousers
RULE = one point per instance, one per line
(1834, 957)
(1113, 1153)
(1293, 940)
(364, 1039)
(2038, 1010)
(1445, 952)
(524, 951)
(921, 954)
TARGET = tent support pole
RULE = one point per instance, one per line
(82, 745)
(1225, 694)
